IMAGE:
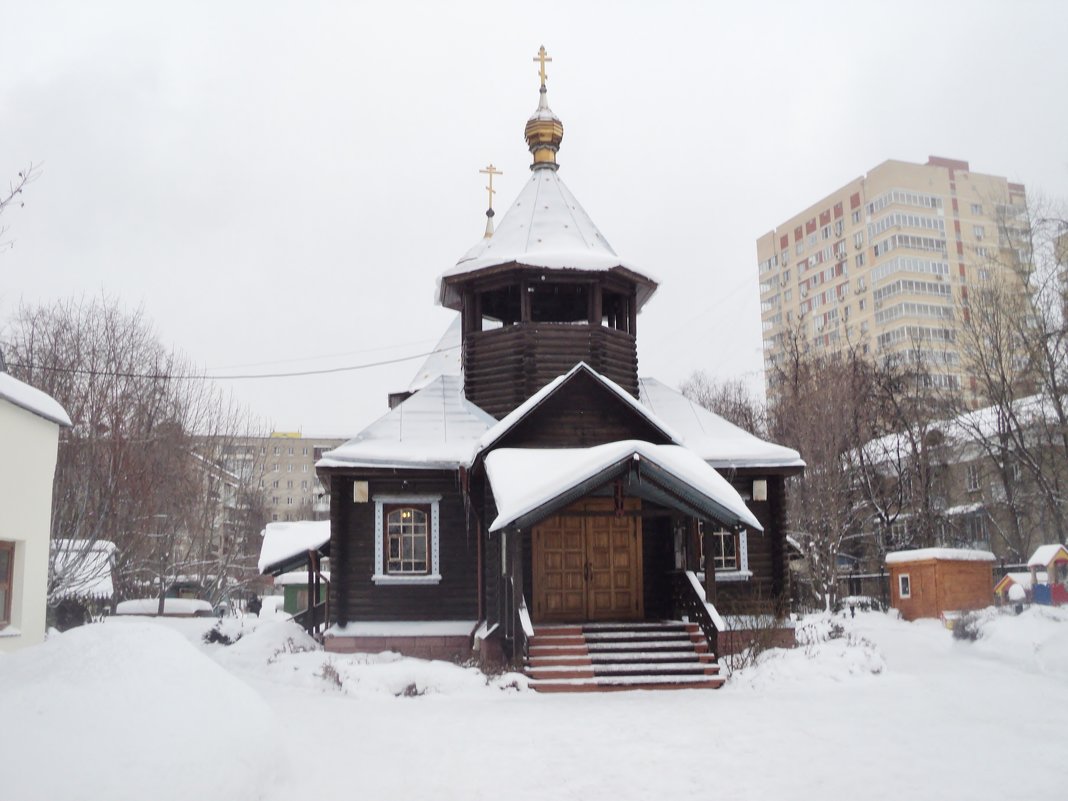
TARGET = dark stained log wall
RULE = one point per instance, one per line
(579, 415)
(768, 588)
(505, 366)
(353, 594)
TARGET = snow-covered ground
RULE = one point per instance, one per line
(135, 708)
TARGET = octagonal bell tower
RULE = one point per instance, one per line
(545, 290)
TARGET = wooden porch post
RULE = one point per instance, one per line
(708, 548)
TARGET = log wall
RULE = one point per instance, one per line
(505, 366)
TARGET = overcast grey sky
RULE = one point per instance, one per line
(279, 184)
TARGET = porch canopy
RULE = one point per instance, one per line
(530, 484)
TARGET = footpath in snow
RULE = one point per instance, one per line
(865, 708)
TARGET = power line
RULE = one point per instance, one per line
(206, 377)
(321, 356)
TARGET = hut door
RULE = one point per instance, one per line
(588, 565)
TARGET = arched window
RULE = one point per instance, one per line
(407, 538)
(407, 529)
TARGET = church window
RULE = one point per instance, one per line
(730, 554)
(553, 302)
(406, 539)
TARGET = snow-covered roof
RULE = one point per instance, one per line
(285, 541)
(1045, 554)
(545, 227)
(963, 509)
(962, 429)
(171, 606)
(948, 554)
(32, 399)
(718, 442)
(436, 428)
(83, 568)
(298, 577)
(526, 479)
(513, 418)
(1023, 579)
(445, 359)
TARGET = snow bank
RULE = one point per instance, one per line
(826, 654)
(130, 711)
(282, 653)
(1035, 641)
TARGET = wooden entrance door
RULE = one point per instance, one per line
(588, 564)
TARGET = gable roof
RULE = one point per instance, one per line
(528, 407)
(32, 400)
(717, 441)
(1045, 554)
(529, 484)
(436, 428)
(545, 227)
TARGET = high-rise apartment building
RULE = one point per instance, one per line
(884, 262)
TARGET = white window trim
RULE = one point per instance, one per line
(908, 578)
(380, 575)
(743, 573)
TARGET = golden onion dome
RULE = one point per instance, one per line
(544, 131)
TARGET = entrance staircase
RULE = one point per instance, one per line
(595, 657)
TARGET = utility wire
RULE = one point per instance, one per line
(206, 377)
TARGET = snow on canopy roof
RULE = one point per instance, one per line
(82, 568)
(717, 441)
(948, 554)
(545, 227)
(299, 577)
(443, 360)
(285, 541)
(1045, 554)
(524, 479)
(32, 399)
(436, 428)
(513, 418)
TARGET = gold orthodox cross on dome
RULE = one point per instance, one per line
(542, 58)
(491, 171)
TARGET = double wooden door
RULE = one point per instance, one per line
(587, 563)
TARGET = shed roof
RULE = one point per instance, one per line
(285, 544)
(945, 554)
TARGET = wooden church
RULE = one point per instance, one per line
(535, 501)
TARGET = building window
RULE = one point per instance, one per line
(904, 586)
(730, 554)
(289, 468)
(276, 450)
(977, 208)
(289, 501)
(304, 451)
(7, 575)
(978, 231)
(855, 216)
(289, 484)
(275, 467)
(407, 534)
(304, 468)
(290, 450)
(274, 485)
(304, 485)
(971, 478)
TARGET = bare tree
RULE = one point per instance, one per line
(141, 465)
(730, 399)
(822, 411)
(13, 197)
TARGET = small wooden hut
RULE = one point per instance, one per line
(931, 581)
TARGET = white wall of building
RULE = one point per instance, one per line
(27, 468)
